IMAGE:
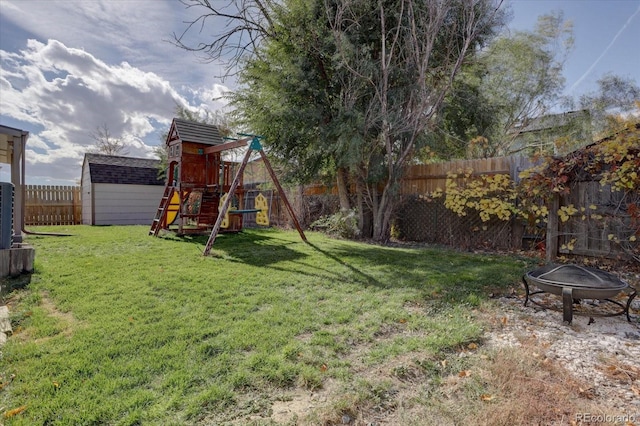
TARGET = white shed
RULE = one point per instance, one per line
(120, 190)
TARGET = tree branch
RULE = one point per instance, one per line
(245, 25)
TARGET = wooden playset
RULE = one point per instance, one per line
(200, 195)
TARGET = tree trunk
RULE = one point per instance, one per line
(365, 215)
(343, 188)
(299, 209)
(382, 214)
(384, 209)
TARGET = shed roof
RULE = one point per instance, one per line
(192, 131)
(123, 170)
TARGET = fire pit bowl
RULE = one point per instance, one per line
(574, 282)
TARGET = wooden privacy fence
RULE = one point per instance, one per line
(426, 178)
(419, 218)
(52, 205)
(602, 226)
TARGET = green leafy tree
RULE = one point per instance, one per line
(467, 117)
(524, 77)
(405, 55)
(293, 94)
(350, 86)
(615, 96)
(503, 88)
(511, 86)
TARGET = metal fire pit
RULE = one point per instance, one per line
(574, 282)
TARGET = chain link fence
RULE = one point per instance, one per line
(429, 221)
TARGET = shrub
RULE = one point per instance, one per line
(343, 224)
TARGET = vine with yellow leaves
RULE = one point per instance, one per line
(613, 162)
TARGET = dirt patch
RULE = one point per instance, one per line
(53, 311)
(65, 322)
(299, 404)
(530, 369)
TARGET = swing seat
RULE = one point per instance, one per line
(244, 211)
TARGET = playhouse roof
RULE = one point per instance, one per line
(122, 170)
(192, 131)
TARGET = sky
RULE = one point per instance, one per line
(69, 67)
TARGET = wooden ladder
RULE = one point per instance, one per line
(160, 220)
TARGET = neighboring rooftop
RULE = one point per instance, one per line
(123, 170)
(554, 121)
(192, 131)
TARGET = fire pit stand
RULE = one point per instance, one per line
(575, 282)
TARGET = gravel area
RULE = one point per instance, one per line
(603, 351)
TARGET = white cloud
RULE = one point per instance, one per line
(69, 66)
(132, 31)
(70, 93)
(36, 142)
(210, 99)
(216, 93)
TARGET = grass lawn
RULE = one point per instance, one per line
(117, 327)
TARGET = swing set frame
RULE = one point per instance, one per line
(254, 145)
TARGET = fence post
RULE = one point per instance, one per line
(77, 206)
(552, 228)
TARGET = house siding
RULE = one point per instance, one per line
(85, 184)
(120, 190)
(117, 204)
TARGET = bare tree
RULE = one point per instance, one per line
(105, 143)
(242, 26)
(420, 48)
